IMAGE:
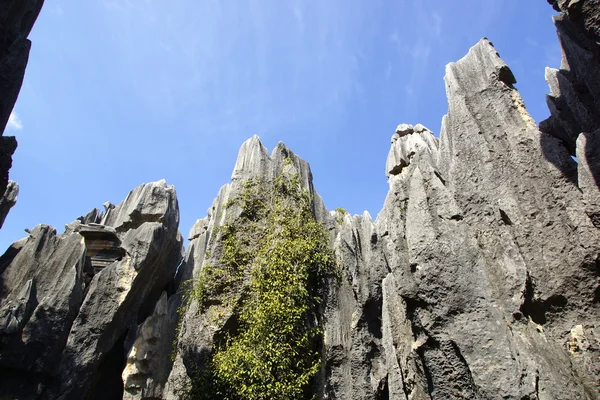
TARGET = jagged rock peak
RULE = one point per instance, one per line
(150, 202)
(574, 89)
(478, 68)
(407, 141)
(254, 160)
(68, 301)
(525, 235)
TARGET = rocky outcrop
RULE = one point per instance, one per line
(201, 327)
(70, 301)
(574, 89)
(585, 17)
(406, 142)
(150, 358)
(497, 282)
(16, 21)
(574, 98)
(479, 278)
(41, 291)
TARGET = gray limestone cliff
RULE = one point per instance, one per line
(491, 252)
(71, 303)
(478, 279)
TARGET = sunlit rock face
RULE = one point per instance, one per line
(483, 252)
(479, 278)
(406, 142)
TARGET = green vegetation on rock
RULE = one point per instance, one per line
(274, 253)
(340, 214)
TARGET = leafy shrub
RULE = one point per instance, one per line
(273, 354)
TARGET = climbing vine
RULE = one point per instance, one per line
(275, 240)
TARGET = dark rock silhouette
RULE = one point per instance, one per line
(16, 20)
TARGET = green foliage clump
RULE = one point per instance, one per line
(273, 354)
(340, 214)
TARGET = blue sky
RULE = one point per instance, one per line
(122, 92)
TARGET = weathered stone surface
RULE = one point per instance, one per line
(149, 360)
(8, 200)
(16, 20)
(406, 142)
(68, 302)
(528, 251)
(588, 155)
(585, 15)
(124, 293)
(478, 279)
(354, 358)
(491, 253)
(41, 289)
(574, 97)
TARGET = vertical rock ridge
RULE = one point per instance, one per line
(526, 223)
(354, 356)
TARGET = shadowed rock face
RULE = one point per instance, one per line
(16, 20)
(574, 88)
(8, 200)
(574, 98)
(63, 326)
(585, 16)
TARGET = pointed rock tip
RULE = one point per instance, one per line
(407, 129)
(475, 69)
(252, 158)
(406, 143)
(280, 147)
(254, 138)
(160, 183)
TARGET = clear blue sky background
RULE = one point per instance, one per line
(121, 92)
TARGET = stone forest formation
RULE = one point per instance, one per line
(479, 278)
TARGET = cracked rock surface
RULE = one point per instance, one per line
(479, 278)
(65, 327)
